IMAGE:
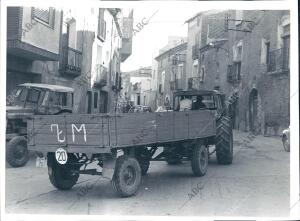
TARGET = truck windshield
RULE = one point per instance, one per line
(23, 94)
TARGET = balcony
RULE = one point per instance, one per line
(195, 52)
(279, 60)
(24, 34)
(101, 29)
(127, 31)
(101, 76)
(71, 60)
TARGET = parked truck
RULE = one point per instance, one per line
(123, 145)
(27, 100)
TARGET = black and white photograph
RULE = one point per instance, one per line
(155, 110)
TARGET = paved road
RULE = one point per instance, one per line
(256, 184)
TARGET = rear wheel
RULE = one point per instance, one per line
(64, 176)
(224, 141)
(199, 160)
(127, 176)
(17, 153)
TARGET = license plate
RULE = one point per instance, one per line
(61, 155)
(41, 162)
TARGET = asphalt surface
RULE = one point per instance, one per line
(256, 184)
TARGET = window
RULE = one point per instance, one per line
(163, 75)
(96, 100)
(195, 70)
(102, 26)
(238, 51)
(237, 70)
(33, 96)
(89, 102)
(267, 44)
(234, 72)
(63, 99)
(202, 74)
(44, 16)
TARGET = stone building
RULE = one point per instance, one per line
(80, 49)
(137, 86)
(244, 54)
(171, 71)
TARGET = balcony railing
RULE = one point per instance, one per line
(71, 61)
(279, 60)
(101, 29)
(195, 52)
(101, 76)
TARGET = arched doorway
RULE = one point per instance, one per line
(253, 110)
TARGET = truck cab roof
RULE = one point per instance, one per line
(51, 87)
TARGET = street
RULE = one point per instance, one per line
(256, 184)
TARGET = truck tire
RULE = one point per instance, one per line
(199, 160)
(127, 176)
(61, 176)
(17, 154)
(224, 141)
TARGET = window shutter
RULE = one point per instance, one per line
(42, 14)
(229, 72)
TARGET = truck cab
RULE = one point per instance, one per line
(27, 100)
(199, 100)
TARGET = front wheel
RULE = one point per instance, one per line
(17, 153)
(224, 141)
(199, 160)
(65, 176)
(127, 176)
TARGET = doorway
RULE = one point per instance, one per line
(253, 110)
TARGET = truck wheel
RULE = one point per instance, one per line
(16, 152)
(224, 141)
(62, 177)
(127, 176)
(199, 160)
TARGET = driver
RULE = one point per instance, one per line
(199, 103)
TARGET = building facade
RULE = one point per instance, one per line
(137, 86)
(83, 50)
(171, 73)
(245, 54)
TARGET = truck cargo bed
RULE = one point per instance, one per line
(98, 133)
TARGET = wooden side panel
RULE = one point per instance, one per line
(49, 130)
(201, 124)
(85, 130)
(113, 131)
(165, 126)
(180, 125)
(136, 129)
